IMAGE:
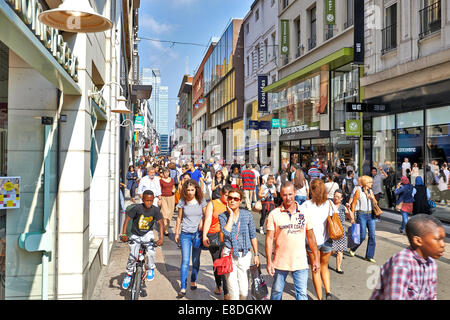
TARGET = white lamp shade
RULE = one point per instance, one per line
(122, 106)
(75, 16)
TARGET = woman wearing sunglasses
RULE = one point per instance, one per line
(239, 234)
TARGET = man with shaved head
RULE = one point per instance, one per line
(411, 274)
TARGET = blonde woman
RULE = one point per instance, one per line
(361, 205)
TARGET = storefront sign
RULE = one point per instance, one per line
(138, 123)
(253, 125)
(353, 128)
(262, 96)
(283, 123)
(9, 192)
(365, 107)
(358, 32)
(275, 123)
(330, 11)
(29, 11)
(285, 37)
(295, 129)
(265, 125)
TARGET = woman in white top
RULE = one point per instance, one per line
(331, 186)
(319, 209)
(443, 187)
(301, 187)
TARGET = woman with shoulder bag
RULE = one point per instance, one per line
(191, 210)
(239, 236)
(319, 209)
(267, 194)
(213, 237)
(361, 204)
(405, 192)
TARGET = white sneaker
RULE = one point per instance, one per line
(261, 230)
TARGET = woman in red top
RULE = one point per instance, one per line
(167, 198)
(211, 226)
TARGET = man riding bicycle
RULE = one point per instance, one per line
(143, 217)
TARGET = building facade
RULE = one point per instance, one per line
(260, 54)
(183, 131)
(317, 76)
(61, 148)
(223, 88)
(408, 73)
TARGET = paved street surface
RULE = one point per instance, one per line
(355, 284)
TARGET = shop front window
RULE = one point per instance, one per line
(4, 70)
(410, 138)
(437, 152)
(321, 153)
(344, 88)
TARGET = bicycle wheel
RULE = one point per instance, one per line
(136, 288)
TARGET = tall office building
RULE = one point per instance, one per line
(159, 105)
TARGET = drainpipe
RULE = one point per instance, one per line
(41, 241)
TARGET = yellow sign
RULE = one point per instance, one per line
(9, 192)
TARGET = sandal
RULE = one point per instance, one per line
(218, 292)
(181, 294)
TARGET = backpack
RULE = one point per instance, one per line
(349, 186)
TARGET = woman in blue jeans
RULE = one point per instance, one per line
(191, 210)
(361, 203)
(301, 187)
(405, 192)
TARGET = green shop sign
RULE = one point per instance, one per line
(330, 11)
(28, 11)
(283, 123)
(275, 123)
(353, 128)
(285, 37)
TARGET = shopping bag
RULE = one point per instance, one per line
(354, 235)
(259, 289)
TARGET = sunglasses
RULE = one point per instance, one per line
(234, 199)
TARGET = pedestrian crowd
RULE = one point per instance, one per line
(214, 204)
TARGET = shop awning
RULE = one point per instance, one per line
(333, 61)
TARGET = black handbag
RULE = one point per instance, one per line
(214, 239)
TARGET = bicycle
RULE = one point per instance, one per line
(140, 269)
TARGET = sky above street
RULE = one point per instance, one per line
(193, 21)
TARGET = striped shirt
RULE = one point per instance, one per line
(239, 240)
(314, 173)
(248, 179)
(407, 276)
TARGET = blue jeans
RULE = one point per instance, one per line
(300, 284)
(186, 241)
(300, 199)
(367, 221)
(404, 220)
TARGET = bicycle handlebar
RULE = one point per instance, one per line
(152, 242)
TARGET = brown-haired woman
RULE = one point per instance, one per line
(301, 187)
(191, 210)
(319, 208)
(217, 184)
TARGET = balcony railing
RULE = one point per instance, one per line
(389, 38)
(430, 19)
(311, 43)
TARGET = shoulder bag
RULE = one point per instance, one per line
(335, 229)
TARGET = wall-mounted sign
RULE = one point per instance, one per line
(330, 11)
(353, 128)
(138, 123)
(365, 107)
(285, 37)
(275, 123)
(265, 125)
(9, 192)
(253, 125)
(283, 123)
(295, 129)
(262, 96)
(28, 12)
(358, 32)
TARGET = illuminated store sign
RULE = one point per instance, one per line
(28, 11)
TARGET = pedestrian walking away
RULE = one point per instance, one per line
(212, 233)
(239, 236)
(361, 205)
(289, 227)
(339, 246)
(405, 192)
(143, 217)
(411, 274)
(301, 187)
(248, 186)
(191, 210)
(319, 208)
(421, 198)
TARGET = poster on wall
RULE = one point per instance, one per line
(9, 192)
